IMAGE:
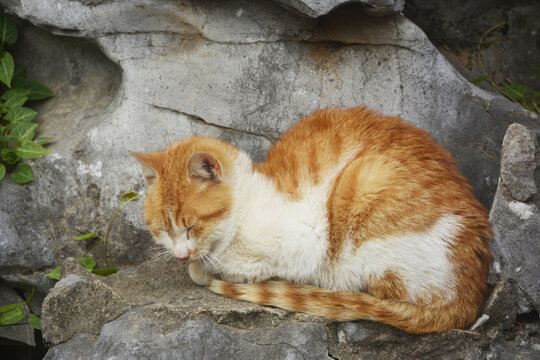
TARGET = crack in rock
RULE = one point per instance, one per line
(201, 121)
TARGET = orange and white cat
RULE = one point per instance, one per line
(357, 215)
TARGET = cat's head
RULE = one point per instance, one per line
(190, 195)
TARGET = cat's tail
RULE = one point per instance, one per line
(347, 306)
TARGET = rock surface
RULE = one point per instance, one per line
(455, 27)
(169, 317)
(316, 8)
(515, 214)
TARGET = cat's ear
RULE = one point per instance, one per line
(203, 167)
(151, 164)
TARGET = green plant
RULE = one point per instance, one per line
(90, 263)
(521, 94)
(17, 129)
(13, 313)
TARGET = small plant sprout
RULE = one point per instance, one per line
(11, 314)
(90, 263)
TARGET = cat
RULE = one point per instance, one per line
(354, 215)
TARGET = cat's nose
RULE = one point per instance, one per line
(184, 256)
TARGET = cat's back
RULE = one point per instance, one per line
(321, 145)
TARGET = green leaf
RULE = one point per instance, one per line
(24, 131)
(20, 114)
(35, 321)
(480, 79)
(15, 99)
(6, 68)
(11, 93)
(536, 107)
(55, 274)
(31, 150)
(518, 92)
(86, 236)
(2, 171)
(23, 175)
(37, 90)
(44, 140)
(88, 262)
(8, 31)
(9, 156)
(105, 272)
(13, 316)
(19, 72)
(10, 307)
(128, 196)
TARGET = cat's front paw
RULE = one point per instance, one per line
(198, 274)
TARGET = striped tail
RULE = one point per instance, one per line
(347, 306)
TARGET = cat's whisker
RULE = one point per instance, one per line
(214, 264)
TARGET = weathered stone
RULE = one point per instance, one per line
(78, 304)
(517, 162)
(455, 27)
(316, 8)
(72, 266)
(170, 317)
(81, 346)
(516, 224)
(21, 332)
(501, 306)
(136, 336)
(521, 345)
(351, 331)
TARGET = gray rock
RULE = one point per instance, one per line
(351, 331)
(169, 317)
(514, 49)
(78, 304)
(135, 336)
(517, 162)
(501, 307)
(20, 332)
(516, 224)
(80, 347)
(316, 8)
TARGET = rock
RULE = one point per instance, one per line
(514, 47)
(316, 8)
(78, 304)
(81, 346)
(522, 345)
(21, 332)
(517, 162)
(167, 316)
(516, 222)
(501, 307)
(135, 336)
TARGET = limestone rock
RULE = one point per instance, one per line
(167, 316)
(516, 222)
(316, 8)
(517, 162)
(78, 304)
